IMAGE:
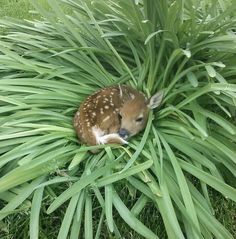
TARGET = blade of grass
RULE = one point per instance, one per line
(130, 219)
(66, 223)
(141, 145)
(88, 224)
(34, 214)
(182, 184)
(20, 198)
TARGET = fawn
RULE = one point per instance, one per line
(113, 114)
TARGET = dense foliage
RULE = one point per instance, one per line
(47, 67)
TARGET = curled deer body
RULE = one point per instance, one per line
(113, 114)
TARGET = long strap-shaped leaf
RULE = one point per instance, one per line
(130, 219)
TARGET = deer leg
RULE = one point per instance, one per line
(109, 139)
(112, 139)
(103, 138)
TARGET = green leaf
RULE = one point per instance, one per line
(34, 214)
(192, 79)
(78, 186)
(78, 158)
(24, 193)
(66, 223)
(141, 145)
(218, 185)
(188, 201)
(88, 225)
(210, 70)
(130, 219)
(122, 175)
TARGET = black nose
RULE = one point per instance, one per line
(123, 133)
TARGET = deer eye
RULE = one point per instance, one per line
(139, 119)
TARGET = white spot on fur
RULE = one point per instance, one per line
(105, 119)
(121, 93)
(106, 107)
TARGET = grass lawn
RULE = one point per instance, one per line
(14, 8)
(16, 226)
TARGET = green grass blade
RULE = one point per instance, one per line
(20, 198)
(34, 214)
(130, 219)
(141, 145)
(220, 186)
(66, 223)
(88, 225)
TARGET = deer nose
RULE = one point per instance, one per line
(123, 133)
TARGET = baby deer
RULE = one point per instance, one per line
(113, 114)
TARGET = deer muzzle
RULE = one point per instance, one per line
(123, 133)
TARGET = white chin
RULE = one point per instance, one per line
(126, 137)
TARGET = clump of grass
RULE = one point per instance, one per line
(48, 67)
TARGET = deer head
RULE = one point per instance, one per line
(134, 113)
(113, 114)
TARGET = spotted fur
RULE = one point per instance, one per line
(98, 119)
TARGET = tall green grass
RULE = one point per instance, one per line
(47, 68)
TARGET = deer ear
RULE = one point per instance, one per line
(155, 100)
